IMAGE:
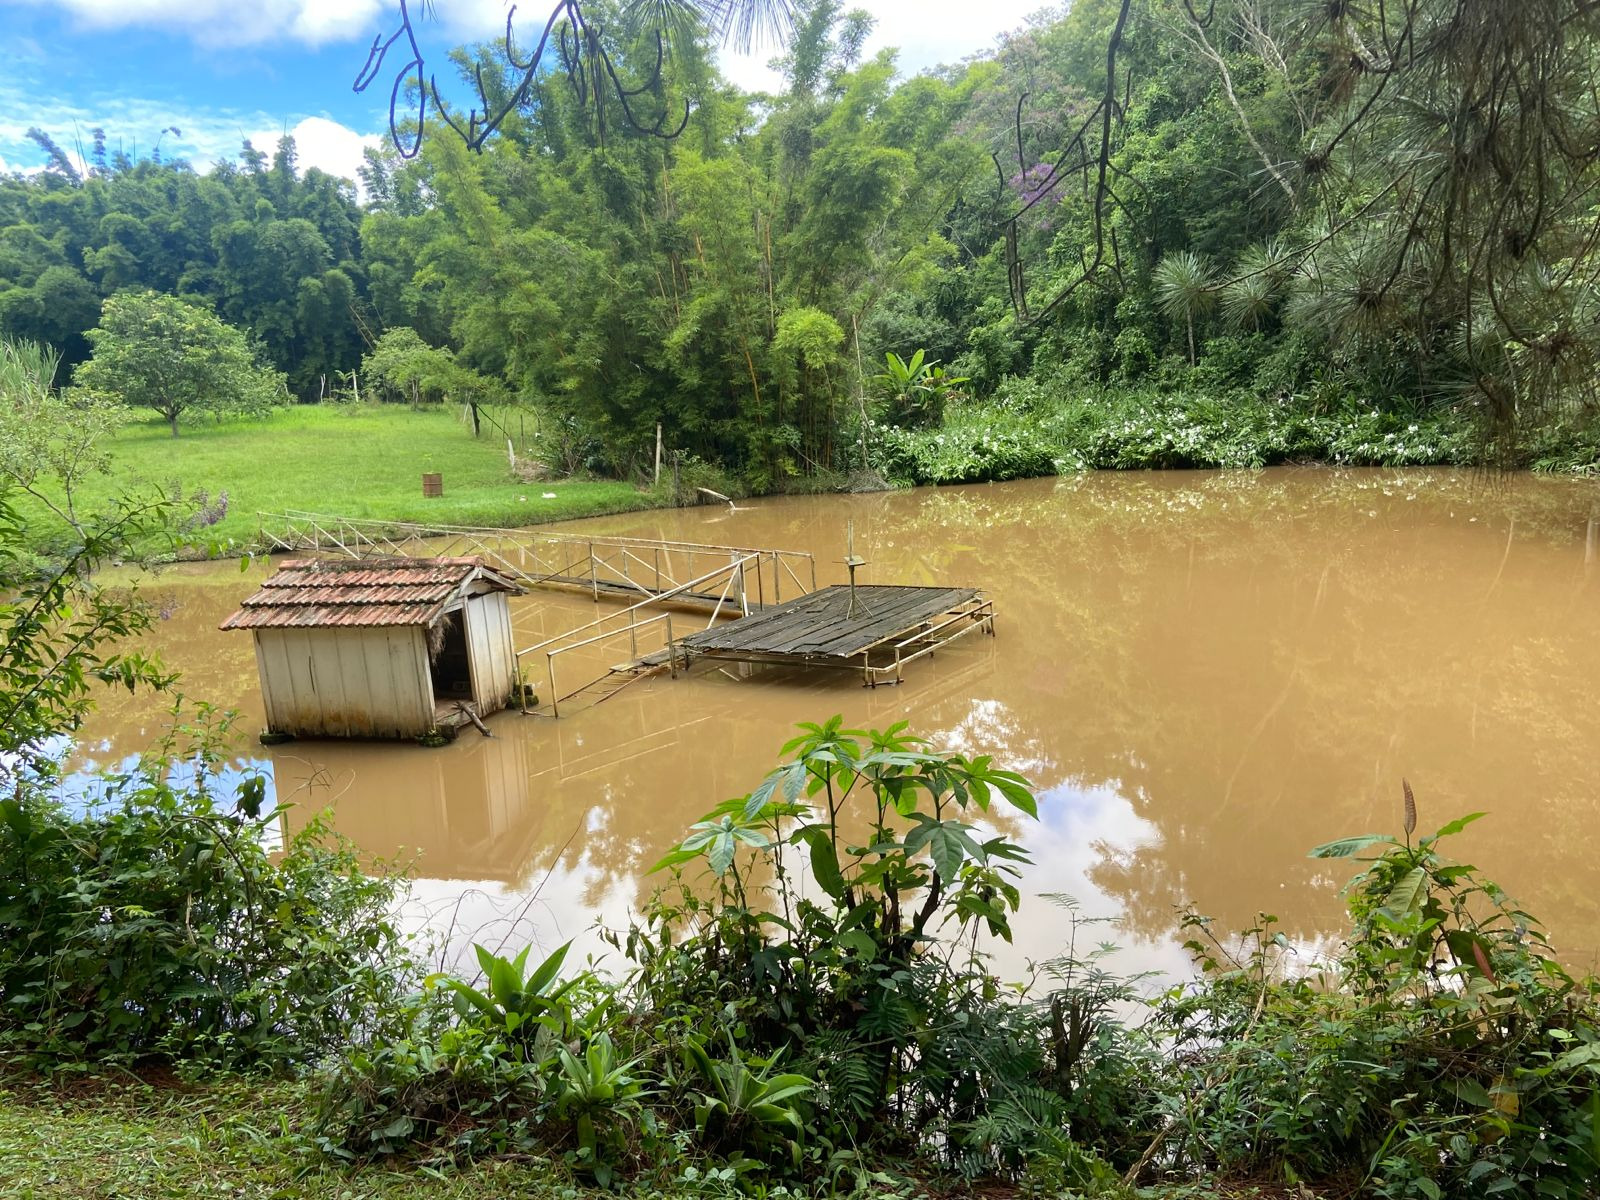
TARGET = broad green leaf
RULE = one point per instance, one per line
(673, 858)
(1458, 825)
(1348, 847)
(1587, 1055)
(860, 941)
(1406, 895)
(541, 979)
(721, 855)
(948, 845)
(505, 984)
(824, 860)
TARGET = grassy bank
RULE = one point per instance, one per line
(136, 1140)
(235, 1138)
(364, 461)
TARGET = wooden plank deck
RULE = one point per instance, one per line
(818, 628)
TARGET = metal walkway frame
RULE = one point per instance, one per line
(640, 568)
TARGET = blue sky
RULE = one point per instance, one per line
(223, 70)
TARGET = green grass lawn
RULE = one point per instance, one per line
(242, 1138)
(232, 1139)
(364, 461)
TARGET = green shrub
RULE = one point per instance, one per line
(857, 977)
(1442, 1052)
(526, 1059)
(681, 482)
(155, 926)
(1570, 446)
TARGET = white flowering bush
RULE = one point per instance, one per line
(1025, 431)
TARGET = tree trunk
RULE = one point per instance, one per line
(172, 420)
(1190, 321)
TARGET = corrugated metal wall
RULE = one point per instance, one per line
(489, 643)
(346, 682)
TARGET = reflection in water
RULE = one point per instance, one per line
(1204, 674)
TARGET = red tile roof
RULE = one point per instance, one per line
(320, 594)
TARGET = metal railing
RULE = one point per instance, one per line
(645, 567)
(732, 594)
(979, 615)
(650, 572)
(633, 634)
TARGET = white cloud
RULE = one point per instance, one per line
(324, 144)
(204, 135)
(228, 22)
(312, 22)
(926, 32)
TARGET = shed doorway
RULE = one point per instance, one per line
(450, 665)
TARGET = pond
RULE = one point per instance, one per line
(1204, 674)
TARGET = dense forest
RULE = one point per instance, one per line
(1263, 231)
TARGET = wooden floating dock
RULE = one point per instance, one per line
(877, 633)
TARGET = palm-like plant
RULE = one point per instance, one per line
(1353, 287)
(1247, 299)
(1185, 289)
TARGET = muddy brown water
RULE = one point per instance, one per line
(1204, 674)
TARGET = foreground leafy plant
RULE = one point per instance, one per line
(155, 926)
(528, 1009)
(836, 927)
(742, 1105)
(861, 961)
(602, 1096)
(1443, 1051)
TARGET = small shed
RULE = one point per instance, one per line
(381, 648)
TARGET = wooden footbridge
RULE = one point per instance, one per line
(764, 605)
